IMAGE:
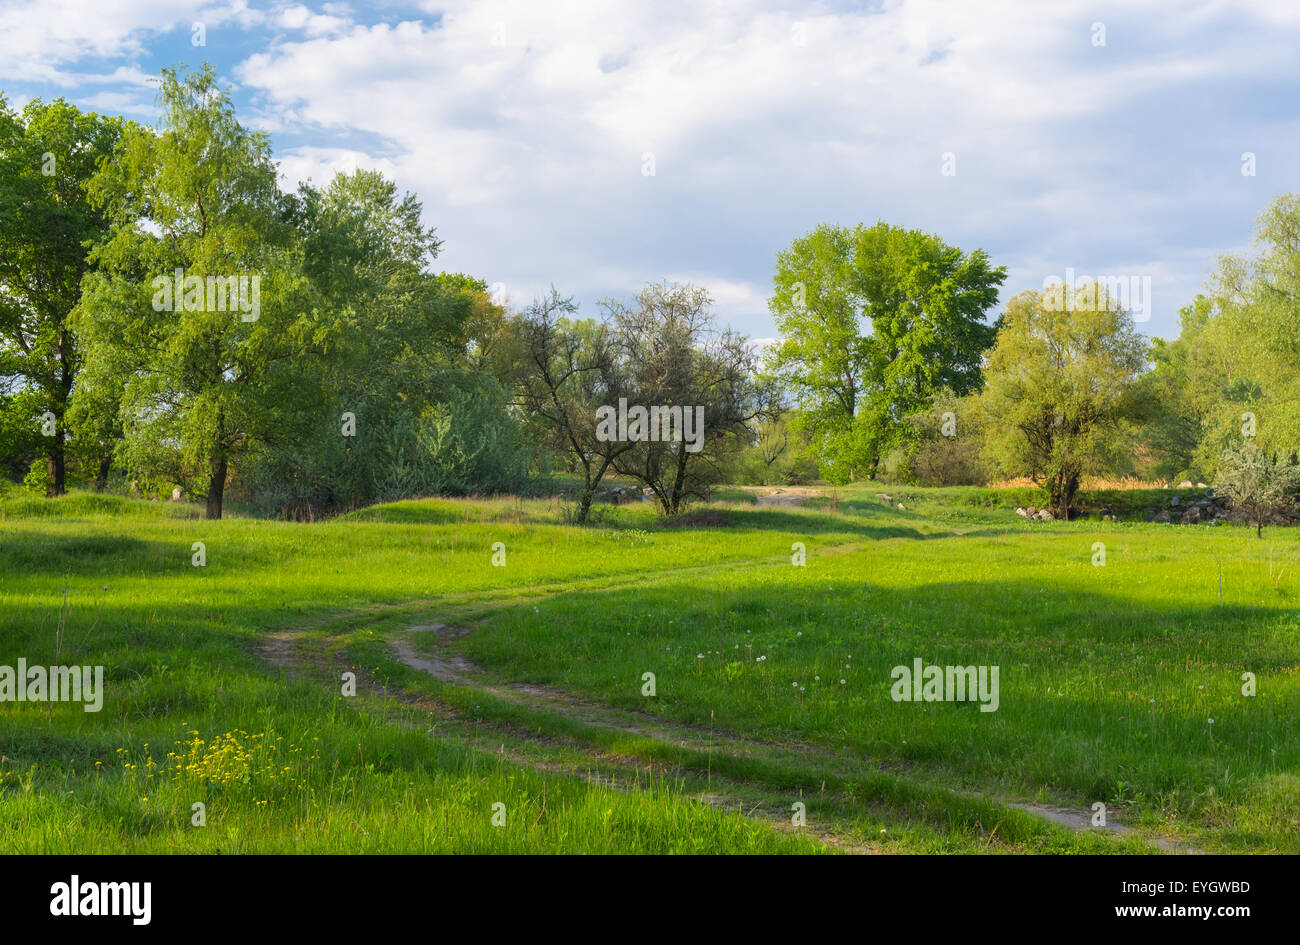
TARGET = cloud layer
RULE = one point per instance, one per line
(530, 130)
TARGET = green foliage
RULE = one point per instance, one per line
(47, 155)
(38, 477)
(943, 445)
(347, 322)
(1258, 483)
(397, 406)
(874, 321)
(1260, 298)
(777, 455)
(204, 381)
(1060, 391)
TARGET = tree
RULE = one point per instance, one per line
(1201, 385)
(1173, 417)
(874, 321)
(1257, 483)
(690, 376)
(1259, 297)
(199, 304)
(568, 371)
(47, 220)
(402, 401)
(1059, 388)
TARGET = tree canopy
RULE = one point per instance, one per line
(874, 321)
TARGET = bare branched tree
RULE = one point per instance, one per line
(675, 356)
(570, 369)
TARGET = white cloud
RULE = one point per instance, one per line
(39, 38)
(299, 17)
(122, 103)
(522, 125)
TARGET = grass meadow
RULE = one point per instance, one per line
(500, 660)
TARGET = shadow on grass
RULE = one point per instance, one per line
(1096, 691)
(36, 552)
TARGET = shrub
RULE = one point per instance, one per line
(1257, 483)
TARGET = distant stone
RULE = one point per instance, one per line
(1023, 513)
(1162, 516)
(900, 505)
(1200, 485)
(1185, 484)
(1045, 515)
(1175, 501)
(176, 494)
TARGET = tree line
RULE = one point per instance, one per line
(171, 319)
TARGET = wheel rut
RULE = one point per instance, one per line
(442, 663)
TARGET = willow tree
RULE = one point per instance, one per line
(1060, 388)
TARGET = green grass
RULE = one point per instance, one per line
(1109, 676)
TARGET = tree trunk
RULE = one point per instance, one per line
(679, 483)
(56, 465)
(101, 480)
(1064, 487)
(55, 468)
(216, 488)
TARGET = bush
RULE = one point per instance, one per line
(1257, 483)
(465, 441)
(944, 446)
(38, 476)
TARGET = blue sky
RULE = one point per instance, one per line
(1101, 137)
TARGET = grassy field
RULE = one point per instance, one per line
(522, 681)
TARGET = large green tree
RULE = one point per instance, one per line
(207, 373)
(48, 153)
(1060, 391)
(405, 399)
(1233, 373)
(874, 321)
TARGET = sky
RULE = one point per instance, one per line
(596, 146)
